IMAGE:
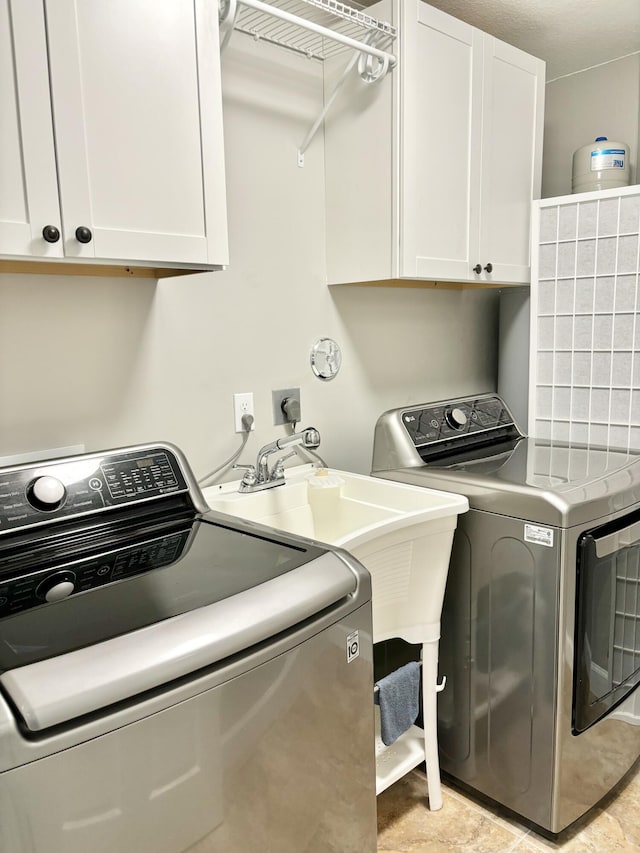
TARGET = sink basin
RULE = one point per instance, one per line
(402, 534)
(365, 507)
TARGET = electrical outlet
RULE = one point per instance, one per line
(242, 405)
(278, 398)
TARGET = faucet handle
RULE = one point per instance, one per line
(278, 468)
(250, 478)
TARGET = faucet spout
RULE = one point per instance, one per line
(261, 477)
(309, 437)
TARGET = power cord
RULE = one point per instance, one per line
(247, 421)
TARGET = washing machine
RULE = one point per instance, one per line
(540, 627)
(174, 679)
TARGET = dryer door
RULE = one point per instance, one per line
(607, 647)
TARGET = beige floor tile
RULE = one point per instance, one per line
(625, 809)
(497, 814)
(405, 823)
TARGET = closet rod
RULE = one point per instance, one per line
(326, 32)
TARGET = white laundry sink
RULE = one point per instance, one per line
(402, 534)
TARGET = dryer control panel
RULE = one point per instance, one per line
(457, 420)
(435, 431)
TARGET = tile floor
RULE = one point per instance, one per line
(405, 824)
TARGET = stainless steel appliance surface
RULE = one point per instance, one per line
(173, 679)
(541, 620)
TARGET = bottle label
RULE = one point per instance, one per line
(607, 158)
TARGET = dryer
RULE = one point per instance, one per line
(540, 627)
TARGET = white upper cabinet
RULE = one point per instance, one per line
(28, 181)
(128, 95)
(431, 172)
(511, 163)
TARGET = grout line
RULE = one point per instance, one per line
(634, 351)
(613, 325)
(572, 390)
(593, 322)
(553, 394)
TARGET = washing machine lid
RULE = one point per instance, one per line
(115, 579)
(217, 589)
(558, 484)
(501, 471)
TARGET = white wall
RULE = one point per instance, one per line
(107, 362)
(600, 101)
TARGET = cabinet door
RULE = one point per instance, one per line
(28, 185)
(137, 108)
(512, 125)
(440, 106)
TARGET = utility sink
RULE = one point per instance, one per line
(402, 534)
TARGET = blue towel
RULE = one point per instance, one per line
(398, 695)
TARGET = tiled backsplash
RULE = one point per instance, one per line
(585, 335)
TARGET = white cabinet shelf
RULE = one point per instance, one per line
(431, 173)
(114, 126)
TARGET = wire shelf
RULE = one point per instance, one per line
(348, 21)
(317, 29)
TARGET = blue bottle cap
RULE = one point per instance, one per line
(601, 138)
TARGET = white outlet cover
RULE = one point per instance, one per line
(242, 405)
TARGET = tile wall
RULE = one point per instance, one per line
(585, 336)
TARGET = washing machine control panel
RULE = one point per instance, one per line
(457, 424)
(76, 486)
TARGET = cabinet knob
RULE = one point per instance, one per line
(51, 234)
(83, 234)
(489, 268)
(477, 269)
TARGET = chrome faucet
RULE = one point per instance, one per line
(258, 476)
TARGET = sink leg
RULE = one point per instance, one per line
(430, 722)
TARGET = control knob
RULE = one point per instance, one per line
(46, 493)
(455, 417)
(57, 586)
